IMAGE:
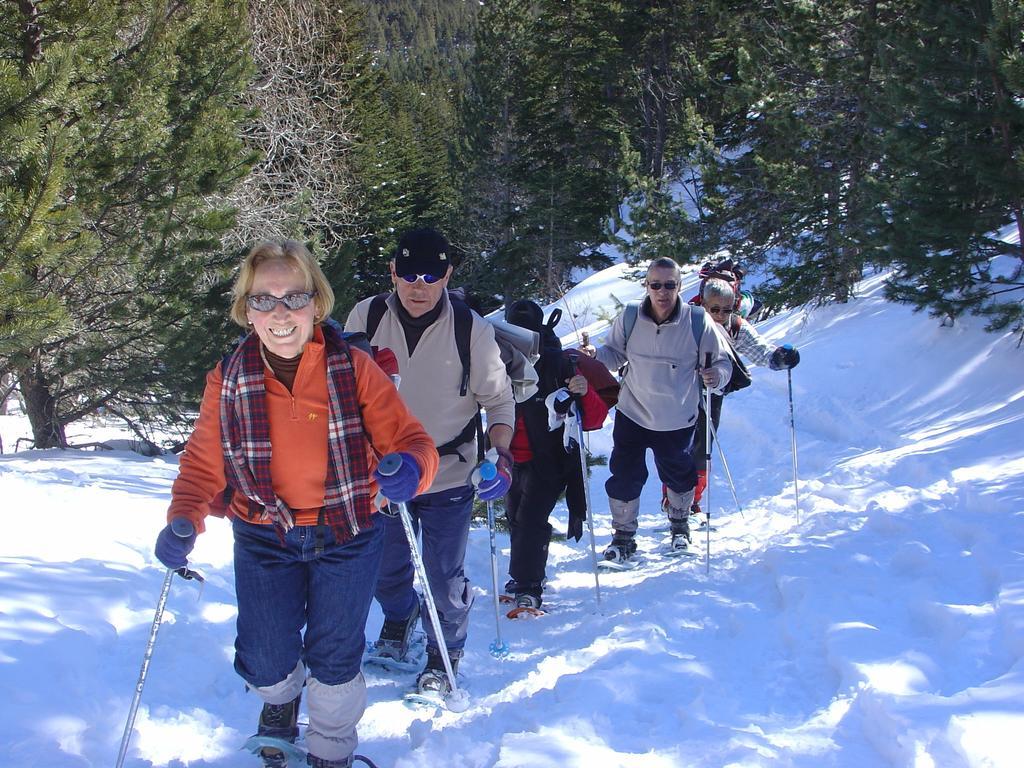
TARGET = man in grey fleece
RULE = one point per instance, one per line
(418, 325)
(658, 404)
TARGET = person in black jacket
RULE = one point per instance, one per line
(543, 465)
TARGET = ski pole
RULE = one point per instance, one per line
(388, 466)
(792, 430)
(725, 465)
(183, 529)
(586, 485)
(707, 463)
(487, 471)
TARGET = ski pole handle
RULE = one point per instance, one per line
(707, 359)
(485, 470)
(389, 464)
(182, 528)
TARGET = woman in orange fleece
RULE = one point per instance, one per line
(294, 422)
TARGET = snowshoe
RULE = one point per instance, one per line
(526, 605)
(399, 648)
(701, 519)
(396, 636)
(280, 724)
(679, 546)
(433, 688)
(275, 752)
(619, 554)
(412, 662)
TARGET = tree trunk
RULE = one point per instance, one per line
(41, 408)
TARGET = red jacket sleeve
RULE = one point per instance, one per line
(595, 410)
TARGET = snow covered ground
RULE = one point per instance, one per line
(884, 626)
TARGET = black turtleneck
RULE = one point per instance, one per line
(284, 368)
(646, 306)
(415, 326)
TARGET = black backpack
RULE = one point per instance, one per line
(517, 364)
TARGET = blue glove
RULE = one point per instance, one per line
(173, 550)
(784, 358)
(402, 485)
(497, 486)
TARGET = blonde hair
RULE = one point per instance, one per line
(291, 252)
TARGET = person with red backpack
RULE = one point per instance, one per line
(546, 462)
(720, 300)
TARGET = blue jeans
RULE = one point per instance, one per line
(628, 462)
(280, 589)
(443, 517)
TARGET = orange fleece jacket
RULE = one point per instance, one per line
(298, 432)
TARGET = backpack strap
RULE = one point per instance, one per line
(697, 322)
(697, 325)
(378, 306)
(359, 340)
(463, 317)
(629, 318)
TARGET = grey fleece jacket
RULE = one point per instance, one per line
(661, 388)
(431, 379)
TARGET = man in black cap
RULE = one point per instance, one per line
(419, 322)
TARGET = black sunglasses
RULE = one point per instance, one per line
(264, 302)
(719, 310)
(668, 285)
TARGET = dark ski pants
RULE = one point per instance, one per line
(442, 520)
(699, 450)
(534, 492)
(628, 463)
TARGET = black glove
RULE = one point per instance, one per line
(784, 358)
(563, 401)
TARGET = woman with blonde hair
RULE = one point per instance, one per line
(294, 422)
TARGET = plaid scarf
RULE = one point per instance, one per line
(245, 439)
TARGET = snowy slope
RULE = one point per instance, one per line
(885, 627)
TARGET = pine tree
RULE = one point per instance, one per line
(556, 143)
(123, 120)
(669, 111)
(795, 183)
(955, 154)
(495, 195)
(406, 129)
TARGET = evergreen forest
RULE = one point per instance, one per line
(146, 146)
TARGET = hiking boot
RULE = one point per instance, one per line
(526, 600)
(395, 637)
(680, 533)
(281, 722)
(433, 680)
(622, 547)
